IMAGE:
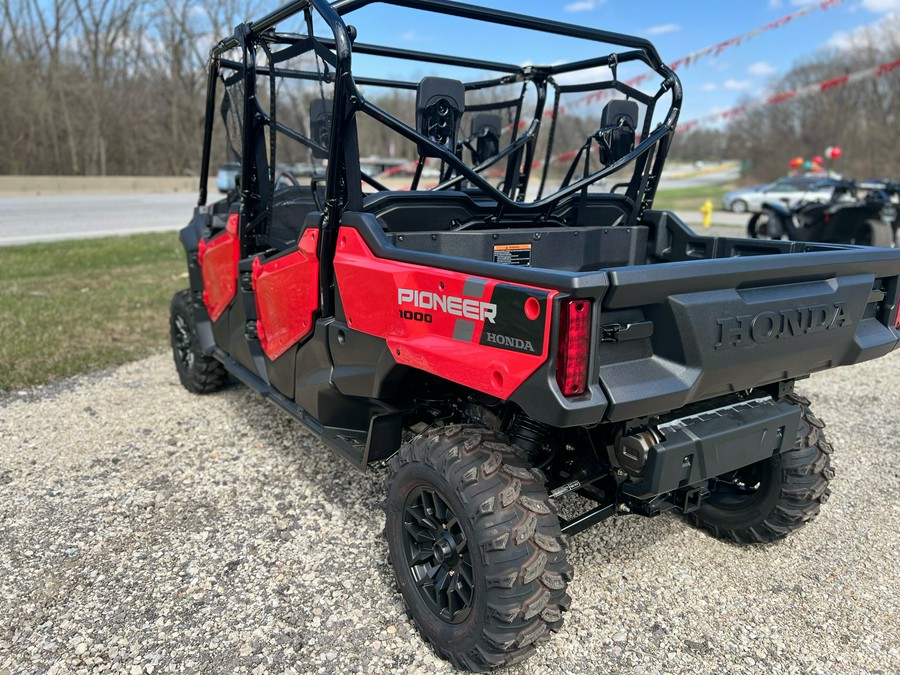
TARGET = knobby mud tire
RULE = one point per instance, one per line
(793, 487)
(198, 373)
(518, 555)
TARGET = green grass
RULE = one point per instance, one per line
(692, 198)
(70, 307)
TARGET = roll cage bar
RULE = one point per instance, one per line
(343, 175)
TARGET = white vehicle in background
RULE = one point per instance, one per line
(790, 191)
(227, 176)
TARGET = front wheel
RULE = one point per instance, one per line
(198, 372)
(476, 547)
(757, 227)
(770, 499)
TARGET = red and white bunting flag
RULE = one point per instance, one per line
(817, 88)
(715, 50)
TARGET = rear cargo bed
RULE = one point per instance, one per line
(701, 317)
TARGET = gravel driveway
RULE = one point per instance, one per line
(143, 529)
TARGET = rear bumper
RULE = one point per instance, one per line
(702, 446)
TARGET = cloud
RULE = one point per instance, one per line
(762, 69)
(663, 28)
(581, 6)
(882, 33)
(596, 74)
(844, 40)
(737, 85)
(881, 6)
(409, 36)
(709, 86)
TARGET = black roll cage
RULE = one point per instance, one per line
(348, 100)
(343, 179)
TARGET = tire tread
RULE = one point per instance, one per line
(517, 535)
(805, 474)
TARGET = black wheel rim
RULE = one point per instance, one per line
(183, 342)
(740, 488)
(438, 556)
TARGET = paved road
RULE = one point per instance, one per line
(53, 218)
(25, 220)
(676, 180)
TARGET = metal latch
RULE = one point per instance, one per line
(876, 295)
(616, 332)
(247, 282)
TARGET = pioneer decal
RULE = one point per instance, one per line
(468, 308)
(749, 329)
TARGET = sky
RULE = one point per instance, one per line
(676, 27)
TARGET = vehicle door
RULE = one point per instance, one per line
(285, 283)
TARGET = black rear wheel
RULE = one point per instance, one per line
(756, 227)
(437, 553)
(873, 233)
(768, 500)
(198, 373)
(476, 547)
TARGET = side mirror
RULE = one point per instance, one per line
(618, 123)
(320, 126)
(486, 134)
(440, 103)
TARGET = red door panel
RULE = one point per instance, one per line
(287, 294)
(218, 259)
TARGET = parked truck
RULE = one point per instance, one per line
(505, 335)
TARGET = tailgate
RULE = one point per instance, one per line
(681, 332)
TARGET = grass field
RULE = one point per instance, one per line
(692, 198)
(70, 307)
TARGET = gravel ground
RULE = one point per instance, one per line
(143, 529)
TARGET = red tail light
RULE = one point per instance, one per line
(574, 344)
(897, 317)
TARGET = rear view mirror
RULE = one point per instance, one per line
(440, 103)
(486, 134)
(618, 123)
(320, 126)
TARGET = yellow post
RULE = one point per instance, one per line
(707, 210)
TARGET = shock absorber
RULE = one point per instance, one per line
(528, 434)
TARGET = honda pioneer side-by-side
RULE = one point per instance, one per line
(498, 314)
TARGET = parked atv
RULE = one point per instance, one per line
(501, 346)
(844, 219)
(888, 191)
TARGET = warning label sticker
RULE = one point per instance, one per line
(513, 254)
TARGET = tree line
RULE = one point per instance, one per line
(102, 87)
(117, 87)
(862, 117)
